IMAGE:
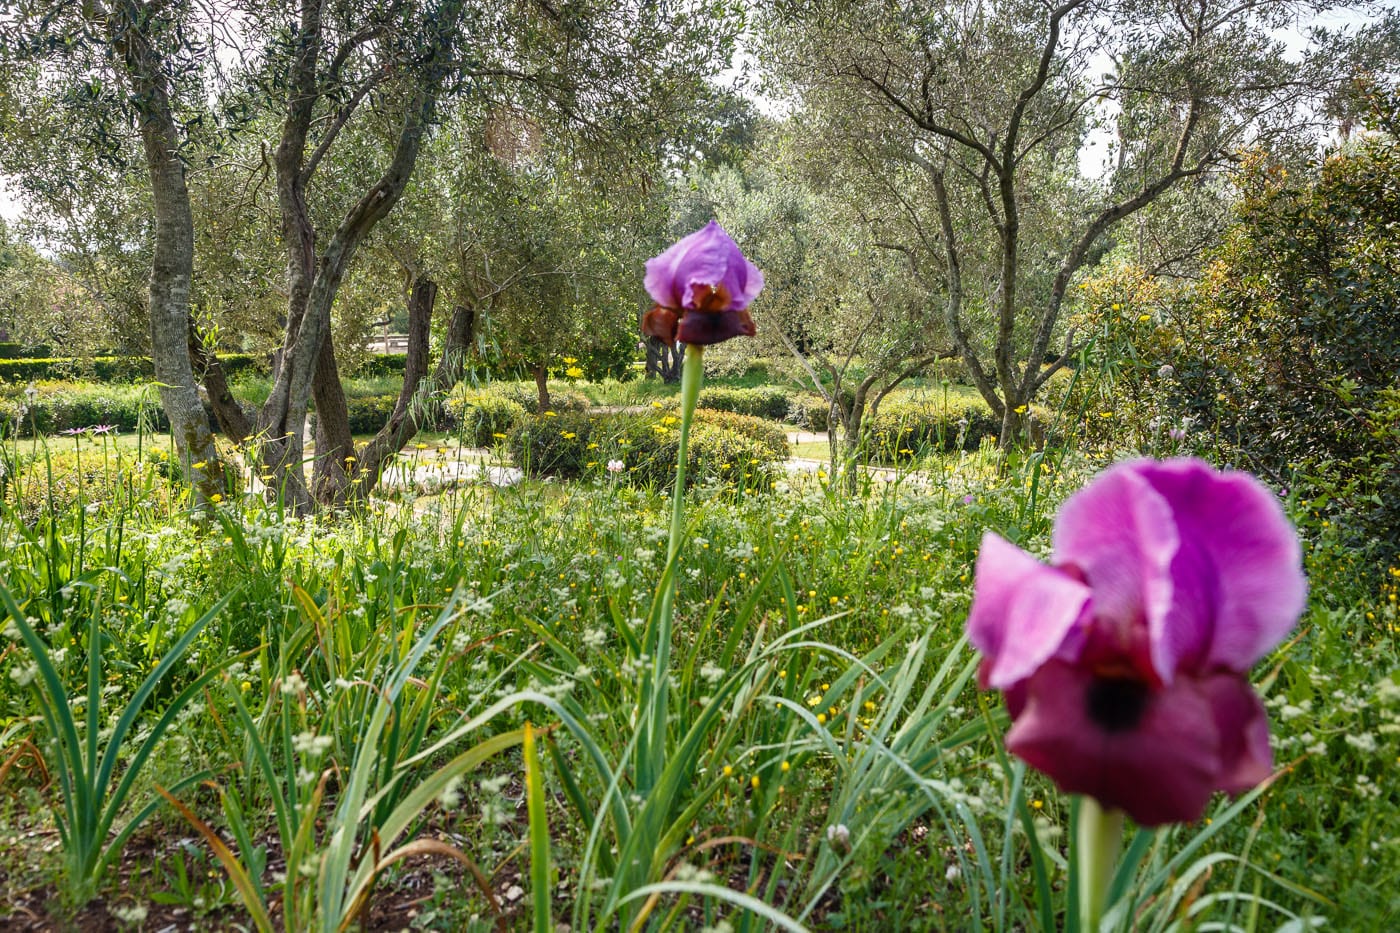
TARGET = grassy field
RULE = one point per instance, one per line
(464, 687)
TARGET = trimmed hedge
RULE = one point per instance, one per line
(480, 416)
(65, 407)
(366, 413)
(527, 397)
(383, 364)
(124, 369)
(905, 428)
(760, 402)
(811, 411)
(574, 445)
(767, 433)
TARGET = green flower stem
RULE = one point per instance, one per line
(653, 757)
(1098, 836)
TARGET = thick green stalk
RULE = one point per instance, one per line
(654, 753)
(1098, 835)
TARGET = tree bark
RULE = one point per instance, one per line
(416, 403)
(542, 387)
(308, 362)
(172, 264)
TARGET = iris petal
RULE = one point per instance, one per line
(701, 328)
(1121, 534)
(681, 276)
(1161, 770)
(1238, 547)
(1022, 611)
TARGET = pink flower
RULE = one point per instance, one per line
(702, 287)
(616, 466)
(1124, 662)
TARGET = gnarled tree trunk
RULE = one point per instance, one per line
(172, 264)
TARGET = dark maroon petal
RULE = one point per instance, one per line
(660, 323)
(1243, 727)
(1155, 754)
(1119, 533)
(1240, 563)
(1021, 611)
(704, 328)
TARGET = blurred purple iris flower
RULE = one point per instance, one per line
(702, 287)
(1124, 662)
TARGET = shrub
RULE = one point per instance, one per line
(761, 402)
(906, 427)
(383, 364)
(575, 444)
(810, 411)
(66, 406)
(480, 416)
(770, 435)
(64, 479)
(106, 369)
(368, 413)
(553, 446)
(527, 397)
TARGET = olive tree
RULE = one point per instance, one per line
(992, 104)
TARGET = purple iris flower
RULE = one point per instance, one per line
(1124, 662)
(702, 287)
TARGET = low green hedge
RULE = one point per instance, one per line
(527, 397)
(575, 445)
(770, 435)
(760, 402)
(812, 411)
(481, 418)
(107, 369)
(383, 364)
(907, 427)
(56, 407)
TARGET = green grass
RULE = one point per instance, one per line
(822, 633)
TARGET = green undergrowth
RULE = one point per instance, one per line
(846, 770)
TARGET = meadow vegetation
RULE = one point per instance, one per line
(311, 695)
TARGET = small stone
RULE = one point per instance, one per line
(514, 893)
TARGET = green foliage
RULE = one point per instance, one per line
(907, 427)
(810, 411)
(369, 413)
(770, 435)
(527, 396)
(93, 822)
(62, 478)
(125, 369)
(819, 682)
(53, 407)
(1287, 351)
(759, 402)
(573, 445)
(383, 364)
(484, 418)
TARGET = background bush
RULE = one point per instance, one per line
(108, 368)
(479, 416)
(573, 445)
(760, 402)
(63, 406)
(527, 397)
(905, 427)
(63, 478)
(765, 432)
